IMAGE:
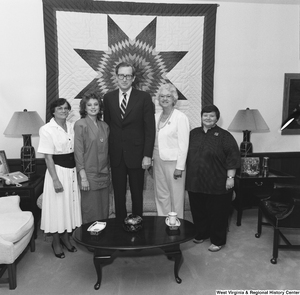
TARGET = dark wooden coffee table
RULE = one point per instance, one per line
(154, 234)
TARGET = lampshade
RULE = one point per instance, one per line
(246, 121)
(24, 123)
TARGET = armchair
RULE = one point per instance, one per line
(282, 211)
(16, 233)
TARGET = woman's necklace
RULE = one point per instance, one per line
(159, 126)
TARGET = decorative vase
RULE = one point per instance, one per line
(133, 223)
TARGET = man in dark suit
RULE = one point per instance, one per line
(131, 139)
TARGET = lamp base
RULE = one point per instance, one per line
(246, 146)
(27, 156)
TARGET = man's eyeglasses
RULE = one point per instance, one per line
(121, 76)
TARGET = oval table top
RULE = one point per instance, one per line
(154, 234)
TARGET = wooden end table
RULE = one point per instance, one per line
(249, 187)
(154, 234)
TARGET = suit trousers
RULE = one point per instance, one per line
(169, 192)
(136, 184)
(210, 215)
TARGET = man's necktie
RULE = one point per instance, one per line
(123, 105)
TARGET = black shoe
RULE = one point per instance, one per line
(60, 255)
(196, 241)
(73, 249)
(199, 239)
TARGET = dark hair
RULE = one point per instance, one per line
(85, 100)
(210, 109)
(58, 102)
(124, 64)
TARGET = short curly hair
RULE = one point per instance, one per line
(58, 102)
(171, 88)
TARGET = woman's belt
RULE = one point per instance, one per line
(65, 160)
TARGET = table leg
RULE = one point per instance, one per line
(239, 217)
(99, 272)
(237, 203)
(178, 257)
(98, 260)
(37, 216)
(174, 252)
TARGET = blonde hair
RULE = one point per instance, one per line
(171, 88)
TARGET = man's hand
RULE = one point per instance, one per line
(146, 163)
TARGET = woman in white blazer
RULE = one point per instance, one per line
(170, 152)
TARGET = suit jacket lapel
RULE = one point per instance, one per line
(131, 103)
(115, 104)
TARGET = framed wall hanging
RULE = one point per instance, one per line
(291, 103)
(166, 43)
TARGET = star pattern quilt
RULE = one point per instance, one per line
(167, 43)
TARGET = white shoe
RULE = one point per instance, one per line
(214, 248)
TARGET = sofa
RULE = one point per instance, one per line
(149, 201)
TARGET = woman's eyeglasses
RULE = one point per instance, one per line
(62, 109)
(165, 96)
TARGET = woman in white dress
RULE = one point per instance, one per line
(61, 211)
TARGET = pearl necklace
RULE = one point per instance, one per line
(166, 122)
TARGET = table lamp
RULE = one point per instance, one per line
(26, 124)
(248, 120)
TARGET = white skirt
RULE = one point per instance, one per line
(61, 211)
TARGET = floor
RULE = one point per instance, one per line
(243, 264)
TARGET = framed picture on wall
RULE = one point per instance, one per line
(291, 103)
(3, 163)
